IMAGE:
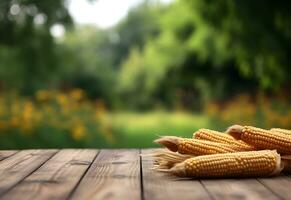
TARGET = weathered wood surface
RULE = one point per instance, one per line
(56, 178)
(15, 168)
(237, 189)
(6, 154)
(117, 174)
(161, 186)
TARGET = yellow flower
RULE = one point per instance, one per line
(77, 94)
(3, 125)
(2, 107)
(27, 121)
(48, 109)
(28, 111)
(43, 95)
(15, 108)
(100, 110)
(107, 133)
(14, 121)
(78, 131)
(211, 109)
(62, 99)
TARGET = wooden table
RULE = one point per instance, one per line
(116, 174)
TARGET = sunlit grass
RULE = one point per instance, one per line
(57, 119)
(140, 129)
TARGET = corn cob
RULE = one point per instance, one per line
(261, 138)
(193, 146)
(280, 130)
(215, 136)
(239, 164)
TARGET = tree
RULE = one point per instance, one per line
(255, 34)
(212, 49)
(135, 29)
(27, 48)
(87, 60)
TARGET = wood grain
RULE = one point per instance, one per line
(237, 189)
(157, 185)
(17, 167)
(6, 154)
(56, 178)
(115, 174)
(279, 185)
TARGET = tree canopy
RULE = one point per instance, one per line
(207, 46)
(186, 52)
(27, 53)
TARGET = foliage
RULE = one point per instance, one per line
(87, 60)
(53, 119)
(135, 29)
(27, 54)
(184, 54)
(256, 32)
(228, 60)
(208, 48)
(93, 56)
(260, 111)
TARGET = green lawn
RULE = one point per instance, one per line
(117, 130)
(140, 129)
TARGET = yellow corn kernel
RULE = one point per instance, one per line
(193, 146)
(215, 136)
(239, 164)
(280, 130)
(261, 138)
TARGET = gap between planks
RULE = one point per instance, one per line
(279, 185)
(56, 178)
(17, 167)
(118, 174)
(221, 189)
(160, 186)
(7, 153)
(157, 185)
(78, 183)
(114, 174)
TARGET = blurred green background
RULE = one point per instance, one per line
(164, 68)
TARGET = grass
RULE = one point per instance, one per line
(128, 130)
(138, 130)
(57, 119)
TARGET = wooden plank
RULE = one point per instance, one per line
(17, 167)
(56, 178)
(237, 189)
(115, 174)
(6, 154)
(157, 185)
(279, 185)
